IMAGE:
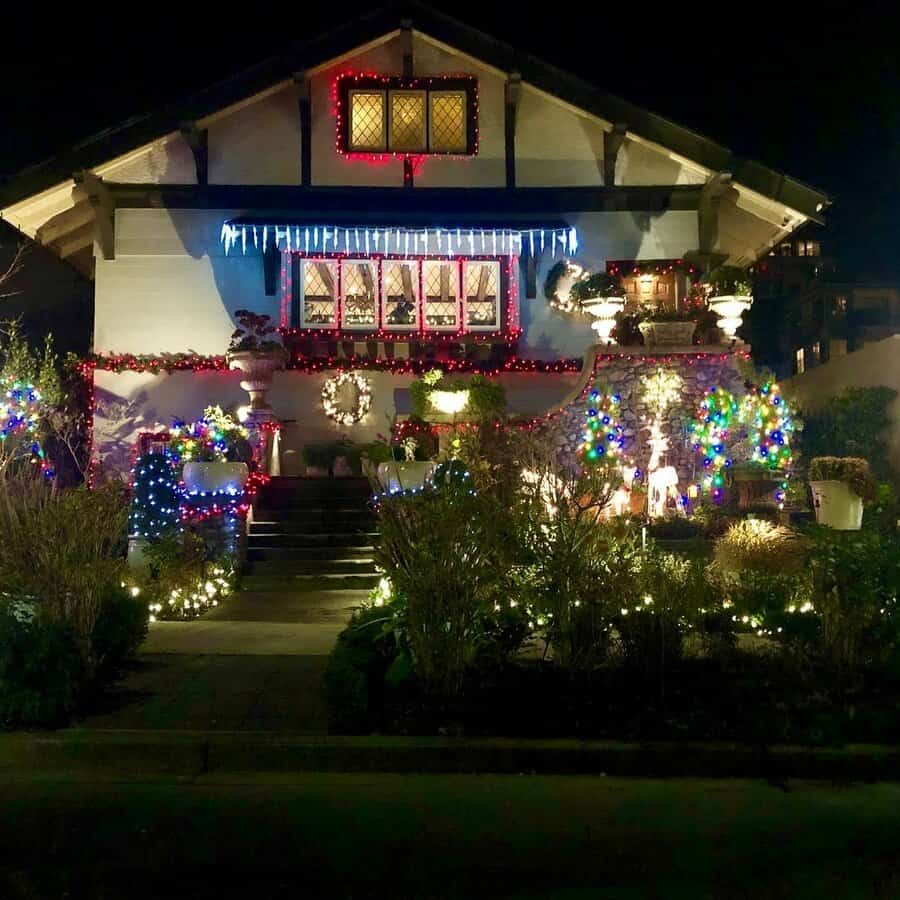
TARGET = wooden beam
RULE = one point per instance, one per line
(406, 46)
(304, 106)
(65, 222)
(513, 92)
(198, 140)
(716, 187)
(75, 240)
(101, 200)
(612, 143)
(271, 269)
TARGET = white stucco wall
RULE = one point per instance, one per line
(128, 403)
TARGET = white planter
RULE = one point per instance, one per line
(730, 309)
(215, 477)
(404, 476)
(604, 311)
(837, 505)
(258, 370)
(668, 334)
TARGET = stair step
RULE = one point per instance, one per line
(274, 534)
(301, 583)
(259, 552)
(312, 567)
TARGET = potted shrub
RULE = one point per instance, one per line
(411, 472)
(601, 296)
(213, 453)
(730, 296)
(666, 327)
(839, 486)
(258, 355)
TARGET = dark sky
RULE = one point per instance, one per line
(809, 89)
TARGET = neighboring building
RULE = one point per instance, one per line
(396, 190)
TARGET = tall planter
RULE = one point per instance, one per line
(604, 311)
(730, 309)
(837, 505)
(258, 368)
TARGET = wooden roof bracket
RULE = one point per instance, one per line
(512, 94)
(198, 140)
(612, 143)
(101, 200)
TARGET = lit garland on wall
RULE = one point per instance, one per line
(191, 362)
(709, 432)
(604, 436)
(401, 243)
(330, 398)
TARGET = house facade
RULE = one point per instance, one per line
(393, 195)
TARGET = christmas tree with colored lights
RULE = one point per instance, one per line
(604, 436)
(711, 431)
(156, 498)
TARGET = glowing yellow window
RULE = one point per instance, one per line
(359, 297)
(407, 120)
(367, 130)
(400, 294)
(447, 132)
(440, 280)
(482, 295)
(319, 279)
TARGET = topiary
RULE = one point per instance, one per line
(156, 497)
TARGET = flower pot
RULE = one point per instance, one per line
(258, 368)
(837, 505)
(667, 334)
(215, 477)
(604, 311)
(730, 310)
(404, 476)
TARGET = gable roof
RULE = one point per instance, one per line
(140, 130)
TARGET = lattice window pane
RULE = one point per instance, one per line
(319, 281)
(400, 289)
(407, 120)
(482, 288)
(440, 282)
(447, 128)
(367, 120)
(358, 281)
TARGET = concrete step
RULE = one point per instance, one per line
(301, 583)
(277, 534)
(258, 551)
(312, 567)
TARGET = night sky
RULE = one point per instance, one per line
(813, 90)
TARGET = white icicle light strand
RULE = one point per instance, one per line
(503, 242)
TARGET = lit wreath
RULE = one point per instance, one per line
(331, 389)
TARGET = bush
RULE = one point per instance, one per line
(118, 631)
(487, 396)
(41, 668)
(761, 545)
(853, 471)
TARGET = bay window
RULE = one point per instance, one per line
(359, 297)
(482, 281)
(400, 294)
(318, 286)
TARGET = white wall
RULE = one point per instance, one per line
(128, 403)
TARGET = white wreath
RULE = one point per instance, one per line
(330, 393)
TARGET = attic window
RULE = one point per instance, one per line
(394, 115)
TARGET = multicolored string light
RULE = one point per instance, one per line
(604, 437)
(709, 432)
(20, 414)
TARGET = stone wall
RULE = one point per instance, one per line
(628, 376)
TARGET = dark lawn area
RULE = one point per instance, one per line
(327, 835)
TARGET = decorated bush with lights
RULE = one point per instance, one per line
(156, 497)
(216, 437)
(604, 437)
(710, 432)
(20, 415)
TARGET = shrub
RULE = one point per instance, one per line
(852, 423)
(486, 403)
(759, 544)
(597, 284)
(65, 547)
(120, 627)
(729, 280)
(853, 471)
(41, 668)
(442, 553)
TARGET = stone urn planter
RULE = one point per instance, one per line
(404, 476)
(837, 505)
(604, 311)
(730, 309)
(667, 334)
(215, 477)
(258, 368)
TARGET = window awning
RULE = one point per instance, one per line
(260, 236)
